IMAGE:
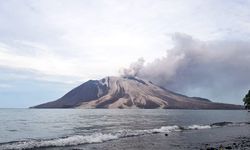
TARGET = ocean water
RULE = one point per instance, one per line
(44, 128)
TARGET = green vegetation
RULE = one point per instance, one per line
(246, 100)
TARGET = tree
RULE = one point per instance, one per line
(246, 100)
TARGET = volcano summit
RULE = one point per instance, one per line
(129, 92)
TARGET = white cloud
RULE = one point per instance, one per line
(82, 40)
(44, 61)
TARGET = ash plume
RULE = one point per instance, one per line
(217, 69)
(133, 69)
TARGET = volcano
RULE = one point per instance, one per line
(129, 93)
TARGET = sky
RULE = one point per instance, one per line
(198, 48)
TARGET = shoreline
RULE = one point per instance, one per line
(206, 139)
(130, 130)
(238, 143)
(241, 143)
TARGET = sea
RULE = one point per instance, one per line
(60, 128)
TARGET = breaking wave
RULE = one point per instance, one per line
(197, 127)
(59, 142)
(102, 137)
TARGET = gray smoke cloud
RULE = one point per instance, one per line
(219, 70)
(133, 69)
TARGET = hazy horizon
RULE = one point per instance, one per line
(196, 48)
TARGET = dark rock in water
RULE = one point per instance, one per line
(155, 132)
(166, 134)
(220, 124)
(181, 128)
(228, 147)
(211, 148)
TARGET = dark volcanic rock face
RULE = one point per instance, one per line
(86, 92)
(118, 92)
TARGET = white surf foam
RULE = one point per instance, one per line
(93, 138)
(197, 127)
(166, 129)
(68, 141)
